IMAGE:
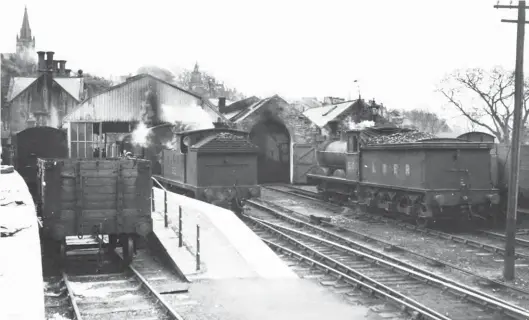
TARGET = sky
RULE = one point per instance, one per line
(398, 50)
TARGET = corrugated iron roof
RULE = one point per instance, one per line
(74, 86)
(322, 115)
(18, 85)
(123, 102)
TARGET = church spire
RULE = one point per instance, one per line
(25, 42)
(25, 31)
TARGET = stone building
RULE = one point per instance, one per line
(285, 136)
(41, 99)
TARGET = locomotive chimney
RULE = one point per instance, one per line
(42, 63)
(49, 63)
(333, 126)
(222, 104)
(219, 124)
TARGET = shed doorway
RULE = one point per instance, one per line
(273, 162)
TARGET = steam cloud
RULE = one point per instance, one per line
(190, 117)
(361, 125)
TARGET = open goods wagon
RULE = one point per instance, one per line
(80, 197)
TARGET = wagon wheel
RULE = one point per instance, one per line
(62, 249)
(128, 249)
(421, 222)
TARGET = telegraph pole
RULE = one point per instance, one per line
(512, 204)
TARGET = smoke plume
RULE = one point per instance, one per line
(190, 117)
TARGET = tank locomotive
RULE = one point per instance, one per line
(218, 165)
(427, 179)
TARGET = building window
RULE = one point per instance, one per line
(82, 140)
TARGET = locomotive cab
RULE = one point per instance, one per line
(218, 166)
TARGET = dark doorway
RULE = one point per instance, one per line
(273, 162)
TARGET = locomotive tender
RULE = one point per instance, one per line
(218, 165)
(429, 179)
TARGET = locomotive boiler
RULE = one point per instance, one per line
(428, 179)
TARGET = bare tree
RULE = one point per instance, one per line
(494, 91)
(426, 121)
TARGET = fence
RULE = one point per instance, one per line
(167, 221)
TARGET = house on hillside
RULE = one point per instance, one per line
(336, 115)
(42, 99)
(108, 116)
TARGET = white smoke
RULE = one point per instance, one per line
(54, 117)
(360, 125)
(190, 117)
(140, 135)
(193, 116)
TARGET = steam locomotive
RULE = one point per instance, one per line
(218, 166)
(428, 179)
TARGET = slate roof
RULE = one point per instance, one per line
(322, 115)
(73, 86)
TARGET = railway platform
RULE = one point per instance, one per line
(239, 277)
(21, 282)
(228, 248)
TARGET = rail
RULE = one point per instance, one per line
(430, 279)
(351, 245)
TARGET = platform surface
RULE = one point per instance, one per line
(265, 299)
(21, 282)
(228, 248)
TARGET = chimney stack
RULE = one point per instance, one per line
(67, 72)
(222, 104)
(42, 63)
(62, 69)
(55, 66)
(49, 64)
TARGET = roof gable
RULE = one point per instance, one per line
(322, 115)
(17, 85)
(124, 101)
(256, 106)
(72, 86)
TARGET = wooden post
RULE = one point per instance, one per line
(180, 239)
(100, 136)
(166, 223)
(512, 204)
(198, 247)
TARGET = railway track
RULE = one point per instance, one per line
(415, 289)
(113, 293)
(523, 244)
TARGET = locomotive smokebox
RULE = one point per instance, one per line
(333, 155)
